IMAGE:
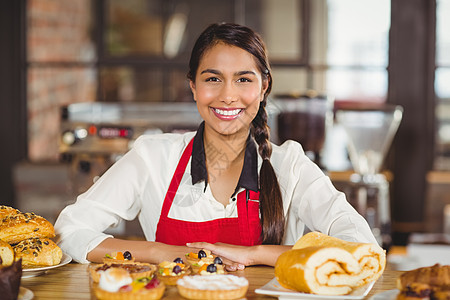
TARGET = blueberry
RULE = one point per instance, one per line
(211, 268)
(201, 254)
(176, 269)
(178, 260)
(127, 255)
(218, 261)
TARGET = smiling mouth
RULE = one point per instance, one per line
(228, 113)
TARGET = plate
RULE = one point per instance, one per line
(273, 288)
(386, 295)
(25, 294)
(35, 271)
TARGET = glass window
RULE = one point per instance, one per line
(358, 37)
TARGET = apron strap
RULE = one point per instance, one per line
(176, 179)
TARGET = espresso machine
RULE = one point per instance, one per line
(370, 131)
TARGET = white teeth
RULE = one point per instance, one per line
(227, 112)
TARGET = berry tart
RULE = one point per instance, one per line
(170, 272)
(135, 270)
(202, 257)
(118, 258)
(212, 287)
(117, 284)
(216, 267)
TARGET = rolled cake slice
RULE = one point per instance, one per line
(371, 257)
(318, 270)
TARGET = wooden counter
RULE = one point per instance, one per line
(72, 282)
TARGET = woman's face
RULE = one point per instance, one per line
(228, 89)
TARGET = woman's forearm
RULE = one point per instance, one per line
(266, 254)
(142, 251)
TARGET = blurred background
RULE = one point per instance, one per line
(80, 80)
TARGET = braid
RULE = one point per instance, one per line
(270, 201)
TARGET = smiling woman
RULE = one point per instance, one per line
(224, 188)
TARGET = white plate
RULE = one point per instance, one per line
(25, 294)
(35, 271)
(273, 288)
(386, 295)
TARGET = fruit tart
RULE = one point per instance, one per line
(212, 287)
(117, 284)
(118, 258)
(135, 270)
(170, 272)
(197, 260)
(215, 268)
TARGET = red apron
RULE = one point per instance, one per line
(244, 230)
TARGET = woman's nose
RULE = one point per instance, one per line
(229, 94)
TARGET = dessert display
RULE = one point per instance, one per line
(324, 265)
(197, 260)
(6, 254)
(118, 258)
(116, 283)
(170, 272)
(428, 283)
(38, 252)
(135, 270)
(29, 236)
(10, 277)
(212, 287)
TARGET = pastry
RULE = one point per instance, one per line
(217, 267)
(118, 258)
(170, 272)
(371, 257)
(324, 265)
(198, 259)
(429, 283)
(135, 270)
(117, 284)
(21, 226)
(317, 270)
(6, 254)
(7, 210)
(10, 277)
(38, 252)
(212, 287)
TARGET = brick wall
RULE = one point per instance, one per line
(60, 54)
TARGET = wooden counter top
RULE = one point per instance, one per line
(72, 282)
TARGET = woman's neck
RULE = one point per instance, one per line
(225, 150)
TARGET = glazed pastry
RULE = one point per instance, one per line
(118, 258)
(117, 284)
(38, 252)
(7, 210)
(216, 267)
(10, 277)
(212, 287)
(21, 226)
(135, 270)
(170, 272)
(6, 254)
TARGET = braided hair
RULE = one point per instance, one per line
(271, 204)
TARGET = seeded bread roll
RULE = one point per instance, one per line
(6, 254)
(7, 210)
(21, 226)
(38, 252)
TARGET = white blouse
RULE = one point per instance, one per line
(136, 185)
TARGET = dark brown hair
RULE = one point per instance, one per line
(270, 201)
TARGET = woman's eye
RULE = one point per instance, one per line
(213, 79)
(244, 80)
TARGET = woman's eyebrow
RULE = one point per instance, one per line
(217, 72)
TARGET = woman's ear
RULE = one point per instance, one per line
(192, 86)
(265, 86)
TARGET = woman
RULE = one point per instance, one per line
(225, 188)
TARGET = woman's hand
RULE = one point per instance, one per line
(237, 257)
(234, 257)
